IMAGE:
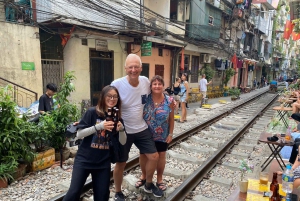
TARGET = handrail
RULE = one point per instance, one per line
(21, 97)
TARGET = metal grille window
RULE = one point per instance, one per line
(194, 69)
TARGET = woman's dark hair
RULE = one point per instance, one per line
(158, 78)
(177, 78)
(100, 108)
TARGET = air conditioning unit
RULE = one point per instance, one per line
(205, 58)
(133, 26)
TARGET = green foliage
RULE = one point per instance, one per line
(269, 78)
(244, 167)
(6, 170)
(275, 122)
(66, 113)
(208, 71)
(228, 74)
(14, 141)
(234, 92)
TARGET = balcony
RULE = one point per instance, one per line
(19, 12)
(260, 24)
(221, 6)
(294, 12)
(270, 4)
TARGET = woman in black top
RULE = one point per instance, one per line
(95, 151)
(176, 89)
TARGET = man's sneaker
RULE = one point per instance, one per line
(153, 189)
(119, 196)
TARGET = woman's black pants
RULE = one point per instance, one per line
(101, 182)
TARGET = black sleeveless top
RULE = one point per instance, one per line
(176, 89)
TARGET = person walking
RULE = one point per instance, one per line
(46, 100)
(176, 90)
(184, 94)
(93, 156)
(160, 120)
(134, 89)
(203, 88)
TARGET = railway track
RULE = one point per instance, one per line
(206, 146)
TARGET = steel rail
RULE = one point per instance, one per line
(195, 178)
(134, 161)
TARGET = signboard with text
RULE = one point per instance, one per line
(101, 45)
(28, 65)
(146, 48)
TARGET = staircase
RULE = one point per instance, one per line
(22, 96)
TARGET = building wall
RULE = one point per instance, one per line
(155, 59)
(77, 58)
(19, 44)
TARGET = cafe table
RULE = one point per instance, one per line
(275, 148)
(255, 190)
(282, 111)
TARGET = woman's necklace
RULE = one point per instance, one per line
(157, 103)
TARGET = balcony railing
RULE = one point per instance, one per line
(19, 12)
(220, 5)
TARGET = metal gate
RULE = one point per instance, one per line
(52, 72)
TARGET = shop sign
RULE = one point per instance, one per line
(28, 65)
(101, 45)
(146, 48)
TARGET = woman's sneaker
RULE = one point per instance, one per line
(153, 189)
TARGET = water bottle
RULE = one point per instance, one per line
(287, 180)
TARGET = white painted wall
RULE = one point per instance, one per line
(19, 44)
(76, 58)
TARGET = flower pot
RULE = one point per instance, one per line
(243, 186)
(3, 183)
(43, 160)
(65, 154)
(20, 171)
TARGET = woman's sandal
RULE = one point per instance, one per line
(161, 186)
(140, 182)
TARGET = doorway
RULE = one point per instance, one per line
(101, 72)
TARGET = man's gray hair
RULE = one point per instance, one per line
(133, 55)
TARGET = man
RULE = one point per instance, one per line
(254, 83)
(133, 90)
(46, 100)
(273, 85)
(203, 88)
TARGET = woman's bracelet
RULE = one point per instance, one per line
(171, 134)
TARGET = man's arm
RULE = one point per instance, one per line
(207, 83)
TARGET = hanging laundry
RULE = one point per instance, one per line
(218, 63)
(240, 63)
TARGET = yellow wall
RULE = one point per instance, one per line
(76, 58)
(18, 44)
(155, 59)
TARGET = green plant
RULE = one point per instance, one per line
(14, 141)
(6, 170)
(244, 167)
(228, 74)
(66, 113)
(208, 71)
(234, 92)
(275, 122)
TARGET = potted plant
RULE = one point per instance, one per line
(208, 71)
(226, 89)
(235, 93)
(244, 167)
(6, 170)
(66, 113)
(14, 141)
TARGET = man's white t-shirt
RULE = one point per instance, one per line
(133, 100)
(203, 84)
